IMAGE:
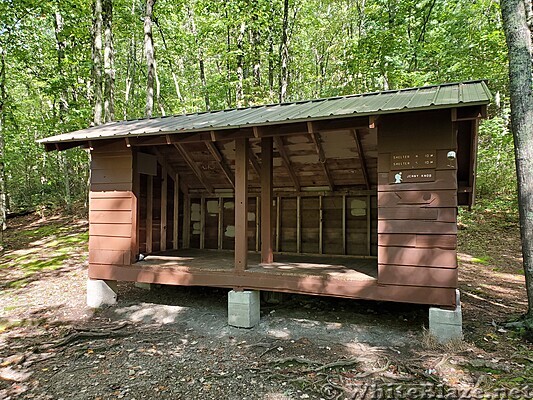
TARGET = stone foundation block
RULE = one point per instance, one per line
(446, 325)
(101, 293)
(145, 286)
(244, 308)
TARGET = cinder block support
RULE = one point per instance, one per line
(101, 293)
(446, 325)
(244, 308)
(145, 286)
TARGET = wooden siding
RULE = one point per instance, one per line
(417, 221)
(112, 206)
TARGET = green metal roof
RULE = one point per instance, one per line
(392, 101)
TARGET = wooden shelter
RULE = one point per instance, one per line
(351, 196)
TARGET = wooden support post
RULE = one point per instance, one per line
(163, 228)
(320, 225)
(278, 221)
(344, 233)
(186, 221)
(202, 222)
(220, 222)
(176, 213)
(241, 204)
(258, 224)
(361, 154)
(267, 254)
(369, 225)
(298, 225)
(149, 212)
(136, 210)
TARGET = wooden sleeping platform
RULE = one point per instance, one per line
(345, 268)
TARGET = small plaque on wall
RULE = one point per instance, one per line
(413, 159)
(412, 176)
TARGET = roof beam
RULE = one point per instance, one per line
(315, 136)
(192, 165)
(286, 161)
(212, 147)
(357, 139)
(254, 161)
(170, 170)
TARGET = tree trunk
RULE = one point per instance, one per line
(131, 68)
(239, 90)
(169, 62)
(201, 65)
(518, 35)
(229, 99)
(257, 59)
(109, 68)
(271, 63)
(63, 103)
(158, 91)
(97, 61)
(284, 54)
(3, 99)
(150, 58)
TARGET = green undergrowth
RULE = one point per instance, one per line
(488, 234)
(39, 248)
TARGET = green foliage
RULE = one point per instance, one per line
(496, 165)
(335, 48)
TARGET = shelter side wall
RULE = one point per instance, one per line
(417, 202)
(112, 206)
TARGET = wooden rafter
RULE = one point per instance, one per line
(315, 136)
(355, 135)
(254, 161)
(173, 174)
(192, 165)
(212, 147)
(286, 161)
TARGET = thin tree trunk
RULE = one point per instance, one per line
(518, 35)
(158, 91)
(284, 54)
(131, 68)
(170, 63)
(150, 58)
(97, 61)
(271, 65)
(256, 51)
(239, 90)
(228, 65)
(3, 99)
(109, 68)
(201, 65)
(63, 103)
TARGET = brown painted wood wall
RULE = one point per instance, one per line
(417, 229)
(112, 206)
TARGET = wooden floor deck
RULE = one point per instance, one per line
(343, 268)
(346, 277)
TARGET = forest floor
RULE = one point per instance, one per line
(174, 342)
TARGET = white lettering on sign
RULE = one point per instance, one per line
(424, 159)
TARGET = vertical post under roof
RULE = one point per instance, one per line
(241, 204)
(266, 200)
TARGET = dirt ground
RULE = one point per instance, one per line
(174, 342)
